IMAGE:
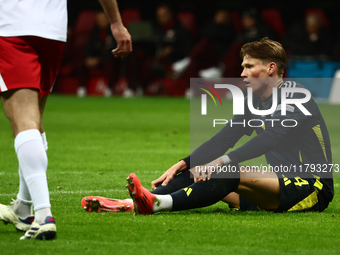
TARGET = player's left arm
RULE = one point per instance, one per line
(273, 134)
(204, 172)
(119, 32)
(255, 147)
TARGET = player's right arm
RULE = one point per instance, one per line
(225, 139)
(169, 174)
(208, 151)
(119, 32)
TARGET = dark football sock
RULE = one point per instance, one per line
(180, 181)
(245, 205)
(205, 193)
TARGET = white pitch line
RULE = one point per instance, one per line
(73, 192)
(16, 173)
(67, 173)
(5, 173)
(87, 191)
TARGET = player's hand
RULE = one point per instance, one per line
(203, 173)
(169, 174)
(123, 39)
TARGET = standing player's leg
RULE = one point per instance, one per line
(20, 214)
(19, 70)
(33, 79)
(22, 108)
(50, 53)
(23, 205)
(42, 104)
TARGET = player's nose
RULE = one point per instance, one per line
(243, 74)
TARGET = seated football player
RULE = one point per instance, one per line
(294, 151)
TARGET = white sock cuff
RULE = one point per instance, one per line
(26, 136)
(162, 203)
(41, 207)
(26, 202)
(43, 136)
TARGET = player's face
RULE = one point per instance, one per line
(255, 74)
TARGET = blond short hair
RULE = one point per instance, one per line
(268, 51)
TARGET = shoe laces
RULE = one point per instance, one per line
(13, 202)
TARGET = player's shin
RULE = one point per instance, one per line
(33, 162)
(23, 205)
(180, 181)
(205, 193)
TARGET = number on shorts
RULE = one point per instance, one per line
(300, 182)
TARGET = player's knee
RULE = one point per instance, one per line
(23, 125)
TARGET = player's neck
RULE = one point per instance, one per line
(268, 91)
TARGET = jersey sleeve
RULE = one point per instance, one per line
(215, 147)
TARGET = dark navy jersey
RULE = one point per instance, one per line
(296, 142)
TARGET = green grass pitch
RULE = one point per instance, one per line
(94, 143)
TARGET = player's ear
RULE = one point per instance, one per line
(272, 68)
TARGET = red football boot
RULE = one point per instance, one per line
(98, 204)
(142, 198)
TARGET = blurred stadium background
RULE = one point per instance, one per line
(94, 142)
(87, 69)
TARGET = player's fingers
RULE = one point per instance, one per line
(167, 180)
(209, 175)
(196, 176)
(204, 176)
(129, 47)
(118, 53)
(124, 48)
(160, 179)
(116, 50)
(199, 175)
(155, 183)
